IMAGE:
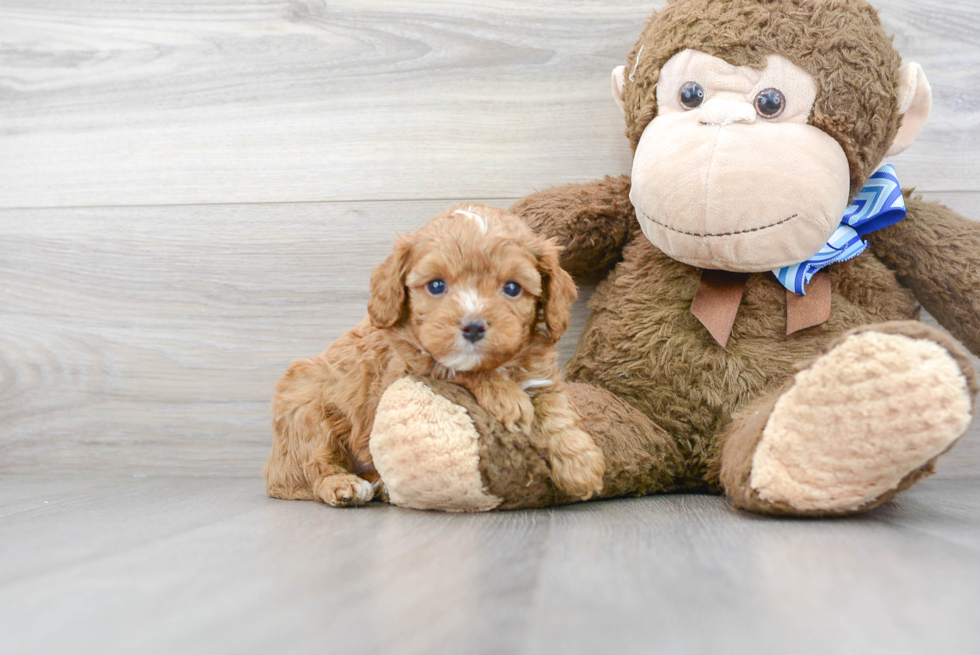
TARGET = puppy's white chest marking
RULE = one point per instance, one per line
(462, 361)
(476, 217)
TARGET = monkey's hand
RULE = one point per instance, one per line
(591, 222)
(936, 253)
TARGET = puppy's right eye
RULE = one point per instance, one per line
(436, 287)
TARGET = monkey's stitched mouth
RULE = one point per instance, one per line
(723, 234)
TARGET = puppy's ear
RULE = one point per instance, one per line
(388, 298)
(559, 292)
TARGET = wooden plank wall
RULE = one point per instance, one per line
(192, 193)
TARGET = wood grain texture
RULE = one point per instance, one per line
(149, 339)
(190, 565)
(155, 102)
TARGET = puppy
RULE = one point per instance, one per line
(474, 297)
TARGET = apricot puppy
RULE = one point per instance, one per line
(474, 297)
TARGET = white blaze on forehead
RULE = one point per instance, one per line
(476, 217)
(470, 301)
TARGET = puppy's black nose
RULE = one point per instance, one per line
(473, 332)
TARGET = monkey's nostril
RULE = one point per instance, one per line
(475, 331)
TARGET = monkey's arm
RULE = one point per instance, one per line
(936, 253)
(592, 222)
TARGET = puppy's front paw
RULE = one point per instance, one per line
(343, 490)
(514, 410)
(577, 465)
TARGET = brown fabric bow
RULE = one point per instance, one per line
(719, 295)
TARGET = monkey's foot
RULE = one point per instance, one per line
(426, 449)
(436, 448)
(862, 422)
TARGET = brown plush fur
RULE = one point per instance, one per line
(670, 368)
(839, 42)
(643, 349)
(516, 469)
(644, 358)
(324, 407)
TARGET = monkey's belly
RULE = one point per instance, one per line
(643, 344)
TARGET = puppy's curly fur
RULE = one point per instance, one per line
(473, 297)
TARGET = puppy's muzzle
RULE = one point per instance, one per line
(474, 331)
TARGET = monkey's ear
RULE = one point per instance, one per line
(618, 85)
(387, 303)
(914, 104)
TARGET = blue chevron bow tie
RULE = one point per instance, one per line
(877, 205)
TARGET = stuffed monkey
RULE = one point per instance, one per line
(754, 331)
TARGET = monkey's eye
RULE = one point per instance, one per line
(692, 95)
(436, 287)
(770, 103)
(512, 289)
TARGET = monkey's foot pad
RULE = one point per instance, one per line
(866, 414)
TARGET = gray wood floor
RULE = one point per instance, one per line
(191, 565)
(192, 195)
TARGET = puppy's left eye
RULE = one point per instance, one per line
(436, 287)
(512, 289)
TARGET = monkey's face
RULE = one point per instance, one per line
(729, 175)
